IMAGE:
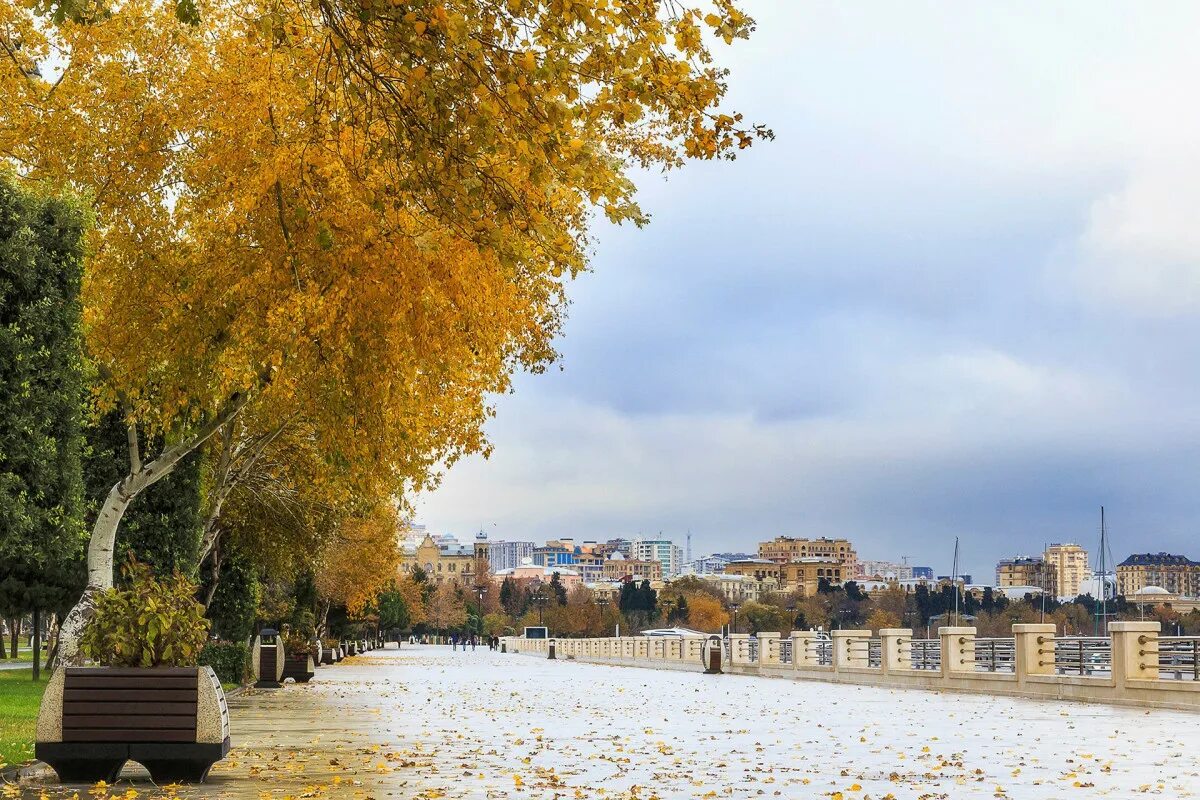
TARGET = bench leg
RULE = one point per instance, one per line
(178, 763)
(80, 762)
(177, 770)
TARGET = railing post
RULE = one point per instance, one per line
(847, 653)
(958, 649)
(895, 650)
(1033, 649)
(1134, 651)
(768, 649)
(739, 649)
(802, 651)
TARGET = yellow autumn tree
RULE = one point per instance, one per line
(360, 559)
(705, 613)
(360, 216)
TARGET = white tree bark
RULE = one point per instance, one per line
(104, 532)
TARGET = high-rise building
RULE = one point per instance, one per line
(923, 572)
(783, 549)
(1179, 575)
(508, 555)
(1070, 562)
(664, 551)
(1026, 571)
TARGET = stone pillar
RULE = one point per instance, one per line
(851, 648)
(627, 647)
(895, 649)
(958, 649)
(1033, 649)
(803, 652)
(642, 647)
(739, 649)
(768, 649)
(1134, 651)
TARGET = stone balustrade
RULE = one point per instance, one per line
(1123, 668)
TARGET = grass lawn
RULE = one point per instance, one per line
(22, 655)
(19, 699)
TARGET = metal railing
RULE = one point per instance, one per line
(1081, 655)
(820, 652)
(996, 655)
(785, 651)
(1178, 657)
(875, 653)
(927, 654)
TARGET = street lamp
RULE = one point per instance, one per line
(480, 590)
(669, 604)
(733, 625)
(539, 599)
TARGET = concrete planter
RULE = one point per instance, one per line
(299, 667)
(174, 721)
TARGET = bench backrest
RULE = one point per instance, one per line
(129, 705)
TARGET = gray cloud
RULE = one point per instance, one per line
(956, 297)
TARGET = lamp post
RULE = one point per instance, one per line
(669, 604)
(602, 602)
(480, 591)
(539, 600)
(733, 607)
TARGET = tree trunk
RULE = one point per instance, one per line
(99, 570)
(214, 572)
(104, 532)
(15, 634)
(37, 644)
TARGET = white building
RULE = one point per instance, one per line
(885, 570)
(664, 551)
(708, 565)
(508, 555)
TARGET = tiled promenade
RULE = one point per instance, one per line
(429, 723)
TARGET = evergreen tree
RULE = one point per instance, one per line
(627, 600)
(647, 599)
(41, 397)
(510, 598)
(559, 592)
(680, 611)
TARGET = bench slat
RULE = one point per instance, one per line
(117, 682)
(138, 722)
(133, 672)
(75, 707)
(142, 735)
(126, 695)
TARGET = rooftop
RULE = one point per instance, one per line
(1157, 559)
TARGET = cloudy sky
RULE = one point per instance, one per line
(958, 295)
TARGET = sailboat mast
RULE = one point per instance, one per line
(954, 579)
(1102, 620)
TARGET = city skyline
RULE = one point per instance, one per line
(955, 297)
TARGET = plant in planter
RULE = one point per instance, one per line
(302, 655)
(148, 701)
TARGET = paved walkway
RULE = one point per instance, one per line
(426, 722)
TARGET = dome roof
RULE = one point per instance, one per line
(1152, 590)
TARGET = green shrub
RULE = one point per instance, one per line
(230, 660)
(151, 623)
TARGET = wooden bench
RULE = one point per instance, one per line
(173, 721)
